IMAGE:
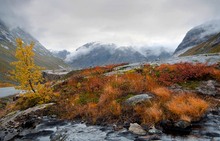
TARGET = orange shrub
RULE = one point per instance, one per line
(162, 92)
(136, 81)
(186, 118)
(187, 105)
(153, 114)
(114, 108)
(109, 93)
(92, 111)
(151, 83)
(149, 115)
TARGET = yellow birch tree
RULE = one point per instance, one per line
(29, 76)
(26, 73)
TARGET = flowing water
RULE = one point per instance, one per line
(56, 130)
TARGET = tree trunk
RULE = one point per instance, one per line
(31, 86)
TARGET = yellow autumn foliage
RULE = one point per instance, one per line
(29, 76)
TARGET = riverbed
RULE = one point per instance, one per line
(51, 129)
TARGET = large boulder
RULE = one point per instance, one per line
(136, 129)
(138, 98)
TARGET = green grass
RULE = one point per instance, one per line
(190, 84)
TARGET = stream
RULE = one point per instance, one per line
(51, 129)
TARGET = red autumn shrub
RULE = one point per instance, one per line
(181, 72)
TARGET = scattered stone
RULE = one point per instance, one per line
(136, 129)
(138, 98)
(117, 127)
(153, 130)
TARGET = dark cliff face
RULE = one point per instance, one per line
(198, 35)
(192, 38)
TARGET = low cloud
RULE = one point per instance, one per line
(144, 50)
(68, 24)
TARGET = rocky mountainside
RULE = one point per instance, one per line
(201, 39)
(212, 45)
(96, 54)
(43, 57)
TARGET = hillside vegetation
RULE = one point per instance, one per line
(97, 97)
(93, 96)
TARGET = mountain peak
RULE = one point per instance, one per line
(96, 53)
(198, 35)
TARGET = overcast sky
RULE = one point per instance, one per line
(68, 24)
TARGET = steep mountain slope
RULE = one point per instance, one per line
(43, 57)
(93, 54)
(210, 46)
(200, 39)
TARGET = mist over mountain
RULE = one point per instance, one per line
(198, 35)
(96, 53)
(62, 54)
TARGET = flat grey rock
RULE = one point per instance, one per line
(138, 98)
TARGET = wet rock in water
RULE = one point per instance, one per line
(180, 127)
(210, 87)
(117, 127)
(153, 130)
(138, 98)
(13, 123)
(136, 129)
